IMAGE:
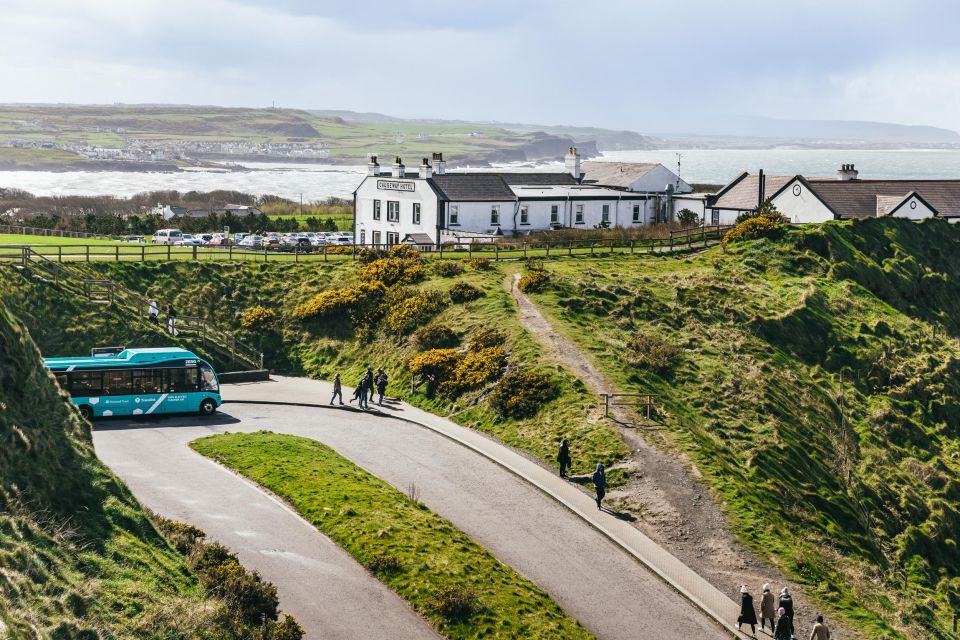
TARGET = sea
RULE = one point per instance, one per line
(314, 182)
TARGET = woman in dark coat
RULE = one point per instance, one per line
(784, 626)
(600, 484)
(748, 615)
(563, 457)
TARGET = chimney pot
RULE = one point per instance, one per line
(572, 162)
(847, 172)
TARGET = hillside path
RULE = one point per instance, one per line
(588, 575)
(664, 489)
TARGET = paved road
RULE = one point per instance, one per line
(608, 591)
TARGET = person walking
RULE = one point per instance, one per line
(364, 387)
(784, 629)
(563, 457)
(767, 611)
(171, 320)
(600, 484)
(748, 615)
(381, 380)
(786, 603)
(371, 383)
(153, 310)
(820, 630)
(337, 389)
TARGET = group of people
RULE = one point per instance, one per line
(598, 477)
(154, 312)
(778, 612)
(372, 382)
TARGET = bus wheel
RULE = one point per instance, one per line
(86, 411)
(208, 407)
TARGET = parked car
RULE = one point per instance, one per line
(188, 240)
(206, 238)
(134, 239)
(251, 242)
(167, 236)
(340, 240)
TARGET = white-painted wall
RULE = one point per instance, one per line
(368, 191)
(475, 216)
(694, 203)
(913, 209)
(799, 204)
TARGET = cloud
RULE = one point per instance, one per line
(643, 65)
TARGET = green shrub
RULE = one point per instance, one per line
(435, 336)
(651, 353)
(447, 268)
(413, 311)
(384, 563)
(394, 271)
(286, 629)
(184, 537)
(455, 603)
(251, 598)
(534, 281)
(258, 318)
(462, 292)
(521, 393)
(767, 222)
(480, 264)
(688, 218)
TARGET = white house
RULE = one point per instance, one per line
(431, 206)
(806, 200)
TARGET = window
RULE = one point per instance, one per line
(715, 217)
(208, 379)
(554, 214)
(454, 215)
(393, 238)
(636, 213)
(116, 383)
(376, 209)
(495, 215)
(182, 380)
(579, 218)
(416, 213)
(605, 214)
(524, 215)
(375, 238)
(147, 381)
(86, 383)
(363, 237)
(393, 211)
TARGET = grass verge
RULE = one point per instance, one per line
(456, 584)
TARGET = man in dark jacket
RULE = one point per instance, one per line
(786, 603)
(381, 382)
(600, 484)
(337, 390)
(563, 457)
(784, 626)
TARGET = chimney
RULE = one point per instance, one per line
(846, 172)
(439, 164)
(399, 171)
(572, 162)
(761, 188)
(426, 171)
(373, 167)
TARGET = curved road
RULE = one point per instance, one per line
(598, 583)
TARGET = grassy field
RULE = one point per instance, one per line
(419, 553)
(18, 158)
(811, 380)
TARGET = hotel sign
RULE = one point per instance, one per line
(395, 185)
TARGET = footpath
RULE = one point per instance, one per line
(686, 581)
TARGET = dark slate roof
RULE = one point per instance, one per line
(742, 193)
(537, 179)
(858, 198)
(472, 187)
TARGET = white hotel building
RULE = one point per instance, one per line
(430, 206)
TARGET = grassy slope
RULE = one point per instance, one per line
(223, 291)
(369, 518)
(851, 488)
(76, 550)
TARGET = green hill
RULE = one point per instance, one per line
(814, 382)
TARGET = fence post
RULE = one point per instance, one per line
(296, 253)
(264, 252)
(59, 253)
(143, 253)
(88, 253)
(631, 247)
(230, 252)
(194, 252)
(116, 253)
(570, 247)
(524, 245)
(470, 249)
(496, 251)
(441, 249)
(671, 242)
(168, 251)
(325, 253)
(547, 245)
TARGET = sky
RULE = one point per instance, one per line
(649, 66)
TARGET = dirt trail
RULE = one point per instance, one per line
(664, 491)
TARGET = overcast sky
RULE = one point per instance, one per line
(649, 66)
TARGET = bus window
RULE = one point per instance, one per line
(85, 383)
(208, 381)
(147, 381)
(182, 380)
(63, 381)
(116, 382)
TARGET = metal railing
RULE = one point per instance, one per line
(101, 290)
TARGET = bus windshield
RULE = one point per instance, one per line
(208, 379)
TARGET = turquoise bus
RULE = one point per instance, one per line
(134, 382)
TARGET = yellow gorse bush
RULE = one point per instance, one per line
(534, 281)
(413, 311)
(477, 367)
(258, 317)
(394, 271)
(352, 300)
(440, 363)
